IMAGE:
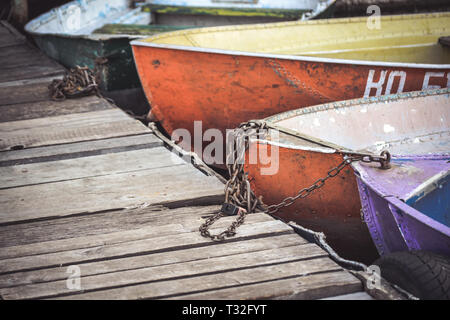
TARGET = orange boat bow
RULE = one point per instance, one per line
(223, 90)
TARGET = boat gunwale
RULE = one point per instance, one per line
(270, 122)
(147, 43)
(140, 43)
(107, 36)
(394, 200)
(325, 4)
(89, 36)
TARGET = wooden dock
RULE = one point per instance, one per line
(93, 206)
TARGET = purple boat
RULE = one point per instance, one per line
(407, 207)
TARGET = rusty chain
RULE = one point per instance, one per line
(77, 82)
(238, 190)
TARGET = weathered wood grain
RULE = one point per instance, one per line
(218, 266)
(68, 128)
(179, 239)
(89, 166)
(31, 72)
(79, 149)
(97, 223)
(8, 40)
(177, 184)
(216, 281)
(50, 108)
(20, 49)
(310, 287)
(351, 296)
(6, 26)
(15, 92)
(165, 222)
(25, 59)
(155, 259)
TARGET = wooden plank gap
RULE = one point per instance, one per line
(271, 258)
(154, 260)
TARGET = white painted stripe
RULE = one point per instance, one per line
(291, 57)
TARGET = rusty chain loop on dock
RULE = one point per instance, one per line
(238, 190)
(77, 82)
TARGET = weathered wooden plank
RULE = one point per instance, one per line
(152, 186)
(225, 279)
(20, 49)
(79, 149)
(25, 59)
(218, 266)
(155, 259)
(50, 108)
(31, 72)
(5, 25)
(81, 226)
(120, 248)
(92, 166)
(351, 296)
(8, 40)
(3, 29)
(310, 287)
(15, 92)
(154, 224)
(68, 128)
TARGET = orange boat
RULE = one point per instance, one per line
(311, 141)
(223, 76)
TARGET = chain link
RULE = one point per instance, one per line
(238, 190)
(229, 232)
(77, 82)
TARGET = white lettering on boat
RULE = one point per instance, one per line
(375, 85)
(429, 75)
(401, 84)
(399, 77)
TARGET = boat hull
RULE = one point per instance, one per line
(396, 226)
(333, 209)
(306, 145)
(113, 57)
(223, 90)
